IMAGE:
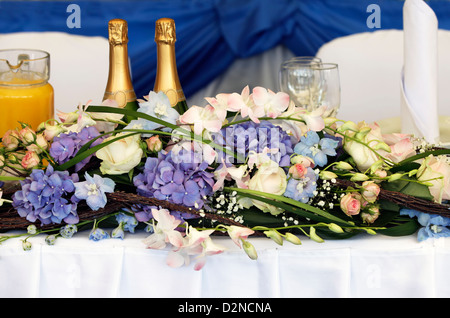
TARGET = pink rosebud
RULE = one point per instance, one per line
(298, 171)
(370, 191)
(154, 143)
(27, 135)
(351, 203)
(11, 139)
(30, 160)
(370, 214)
(39, 145)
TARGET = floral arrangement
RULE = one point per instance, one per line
(245, 164)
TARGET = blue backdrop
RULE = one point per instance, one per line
(211, 34)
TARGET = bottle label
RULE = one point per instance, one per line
(174, 96)
(121, 97)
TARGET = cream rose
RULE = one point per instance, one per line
(269, 178)
(120, 156)
(363, 156)
(436, 168)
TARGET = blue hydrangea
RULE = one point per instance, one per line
(302, 189)
(312, 146)
(249, 136)
(180, 179)
(433, 225)
(65, 146)
(47, 196)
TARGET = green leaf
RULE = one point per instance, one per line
(185, 133)
(425, 154)
(291, 205)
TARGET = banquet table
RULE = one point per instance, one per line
(368, 266)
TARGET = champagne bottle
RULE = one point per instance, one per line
(119, 86)
(167, 79)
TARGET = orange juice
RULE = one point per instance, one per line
(25, 100)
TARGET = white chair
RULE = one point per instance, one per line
(78, 64)
(370, 65)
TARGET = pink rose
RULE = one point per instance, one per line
(11, 139)
(154, 143)
(370, 191)
(351, 203)
(401, 146)
(298, 171)
(30, 160)
(27, 135)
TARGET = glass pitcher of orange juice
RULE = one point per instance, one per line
(25, 94)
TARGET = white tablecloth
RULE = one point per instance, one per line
(365, 266)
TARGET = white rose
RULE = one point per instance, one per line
(120, 156)
(269, 178)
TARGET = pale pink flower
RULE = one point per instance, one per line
(11, 139)
(202, 118)
(39, 145)
(30, 160)
(370, 191)
(238, 174)
(154, 143)
(220, 104)
(401, 146)
(52, 131)
(27, 135)
(237, 233)
(164, 231)
(197, 243)
(244, 104)
(436, 170)
(274, 104)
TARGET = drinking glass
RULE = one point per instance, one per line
(295, 79)
(25, 94)
(326, 88)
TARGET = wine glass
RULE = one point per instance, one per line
(295, 79)
(325, 88)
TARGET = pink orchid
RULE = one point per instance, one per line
(164, 231)
(237, 233)
(274, 104)
(238, 174)
(220, 104)
(244, 103)
(196, 243)
(203, 118)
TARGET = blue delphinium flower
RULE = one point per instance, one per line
(181, 182)
(65, 146)
(128, 222)
(157, 105)
(434, 226)
(314, 147)
(47, 196)
(302, 189)
(98, 234)
(93, 190)
(68, 230)
(252, 137)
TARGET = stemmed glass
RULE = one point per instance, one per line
(295, 79)
(325, 84)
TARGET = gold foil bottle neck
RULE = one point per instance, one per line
(118, 32)
(165, 31)
(119, 86)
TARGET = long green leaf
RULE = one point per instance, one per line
(313, 210)
(186, 133)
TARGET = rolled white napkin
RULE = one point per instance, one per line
(419, 106)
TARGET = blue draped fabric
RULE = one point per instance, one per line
(211, 34)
